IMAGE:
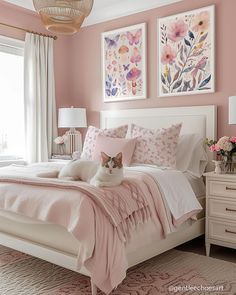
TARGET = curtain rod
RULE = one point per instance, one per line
(28, 31)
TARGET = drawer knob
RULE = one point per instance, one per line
(228, 188)
(230, 231)
(231, 210)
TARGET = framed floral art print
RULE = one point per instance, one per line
(186, 53)
(124, 63)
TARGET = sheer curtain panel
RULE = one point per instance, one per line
(39, 91)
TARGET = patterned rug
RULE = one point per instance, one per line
(174, 272)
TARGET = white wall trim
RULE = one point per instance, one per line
(105, 10)
(123, 8)
(4, 163)
(11, 45)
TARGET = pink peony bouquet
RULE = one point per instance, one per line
(61, 143)
(60, 139)
(225, 146)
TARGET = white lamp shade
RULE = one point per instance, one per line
(72, 118)
(232, 110)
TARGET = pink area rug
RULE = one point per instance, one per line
(174, 272)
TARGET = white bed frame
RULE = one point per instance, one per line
(200, 119)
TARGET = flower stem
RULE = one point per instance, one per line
(185, 63)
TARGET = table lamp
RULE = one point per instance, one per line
(232, 110)
(72, 118)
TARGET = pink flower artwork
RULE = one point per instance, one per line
(186, 53)
(201, 22)
(178, 30)
(124, 63)
(168, 55)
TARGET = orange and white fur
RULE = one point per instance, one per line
(108, 173)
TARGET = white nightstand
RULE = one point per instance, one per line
(220, 210)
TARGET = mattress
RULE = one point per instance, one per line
(57, 237)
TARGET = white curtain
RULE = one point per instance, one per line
(40, 104)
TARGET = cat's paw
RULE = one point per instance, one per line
(96, 183)
(102, 184)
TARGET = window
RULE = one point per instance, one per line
(12, 134)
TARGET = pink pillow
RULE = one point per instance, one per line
(113, 146)
(157, 147)
(91, 137)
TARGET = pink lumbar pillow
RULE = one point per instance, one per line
(157, 147)
(113, 146)
(91, 137)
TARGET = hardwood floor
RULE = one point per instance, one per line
(198, 246)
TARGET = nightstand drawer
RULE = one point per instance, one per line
(222, 231)
(224, 189)
(222, 209)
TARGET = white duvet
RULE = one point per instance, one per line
(176, 189)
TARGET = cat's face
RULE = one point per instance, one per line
(111, 165)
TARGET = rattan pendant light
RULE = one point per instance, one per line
(63, 16)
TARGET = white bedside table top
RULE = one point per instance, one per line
(60, 158)
(221, 176)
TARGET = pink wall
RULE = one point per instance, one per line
(16, 16)
(85, 71)
(78, 60)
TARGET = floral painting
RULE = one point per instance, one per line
(186, 53)
(124, 63)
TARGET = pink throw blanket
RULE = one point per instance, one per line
(125, 206)
(101, 219)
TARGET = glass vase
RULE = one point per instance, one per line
(229, 165)
(61, 149)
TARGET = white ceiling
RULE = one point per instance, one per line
(104, 10)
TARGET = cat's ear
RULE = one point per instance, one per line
(104, 157)
(119, 157)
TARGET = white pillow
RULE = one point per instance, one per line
(191, 156)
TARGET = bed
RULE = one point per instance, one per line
(55, 244)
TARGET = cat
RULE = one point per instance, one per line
(108, 173)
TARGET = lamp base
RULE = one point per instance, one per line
(74, 142)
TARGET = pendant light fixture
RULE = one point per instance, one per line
(63, 16)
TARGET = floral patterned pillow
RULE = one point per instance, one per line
(91, 137)
(156, 147)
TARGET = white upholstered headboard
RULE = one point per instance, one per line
(197, 119)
